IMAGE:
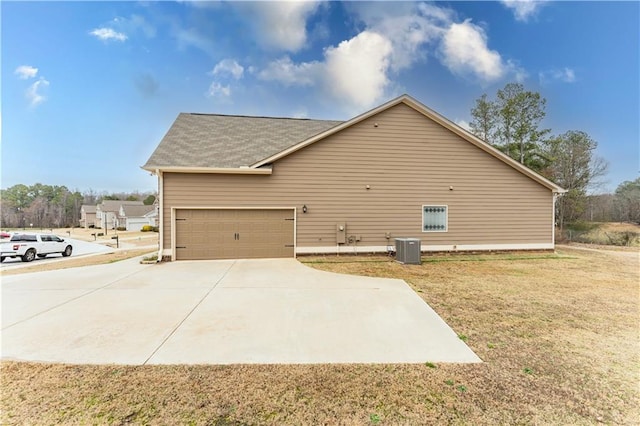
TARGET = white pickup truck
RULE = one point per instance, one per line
(28, 246)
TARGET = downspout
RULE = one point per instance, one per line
(556, 195)
(160, 214)
(553, 221)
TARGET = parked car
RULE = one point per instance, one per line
(28, 246)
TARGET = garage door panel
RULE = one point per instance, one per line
(232, 234)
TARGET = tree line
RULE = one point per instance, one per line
(53, 206)
(512, 122)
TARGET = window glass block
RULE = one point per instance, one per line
(434, 218)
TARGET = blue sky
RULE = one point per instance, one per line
(90, 88)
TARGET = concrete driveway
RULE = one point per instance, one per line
(219, 312)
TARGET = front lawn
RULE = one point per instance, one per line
(558, 335)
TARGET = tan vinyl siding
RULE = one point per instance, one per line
(408, 161)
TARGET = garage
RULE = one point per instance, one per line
(202, 234)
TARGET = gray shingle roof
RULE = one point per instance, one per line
(88, 208)
(136, 211)
(230, 141)
(114, 205)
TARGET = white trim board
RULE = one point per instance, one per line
(346, 249)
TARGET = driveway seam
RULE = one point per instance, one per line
(70, 300)
(189, 314)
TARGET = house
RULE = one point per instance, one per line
(87, 216)
(252, 187)
(134, 217)
(107, 212)
(152, 216)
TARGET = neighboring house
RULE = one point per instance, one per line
(259, 187)
(87, 216)
(133, 218)
(152, 216)
(107, 212)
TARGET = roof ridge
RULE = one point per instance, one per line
(258, 116)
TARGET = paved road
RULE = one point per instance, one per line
(79, 248)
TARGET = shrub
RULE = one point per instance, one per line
(147, 228)
(623, 238)
(582, 226)
(121, 228)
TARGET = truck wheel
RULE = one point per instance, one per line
(67, 251)
(29, 255)
(42, 255)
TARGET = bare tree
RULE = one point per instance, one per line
(627, 201)
(576, 168)
(484, 120)
(512, 124)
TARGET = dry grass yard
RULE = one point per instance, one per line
(559, 336)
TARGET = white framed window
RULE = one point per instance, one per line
(435, 218)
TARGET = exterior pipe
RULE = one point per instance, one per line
(160, 214)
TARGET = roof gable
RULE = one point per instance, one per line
(427, 112)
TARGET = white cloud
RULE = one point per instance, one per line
(136, 23)
(191, 37)
(106, 34)
(464, 124)
(301, 113)
(25, 72)
(519, 73)
(565, 75)
(415, 30)
(228, 67)
(409, 27)
(464, 51)
(34, 92)
(218, 90)
(360, 71)
(523, 9)
(357, 68)
(285, 71)
(280, 25)
(354, 72)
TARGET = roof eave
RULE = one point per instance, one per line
(210, 170)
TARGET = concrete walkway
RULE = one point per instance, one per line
(219, 312)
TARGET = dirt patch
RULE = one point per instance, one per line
(558, 335)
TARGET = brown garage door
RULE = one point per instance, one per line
(233, 234)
